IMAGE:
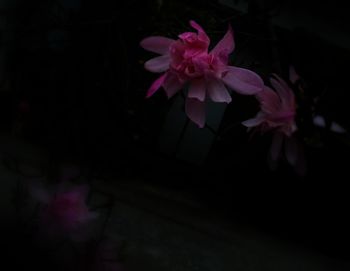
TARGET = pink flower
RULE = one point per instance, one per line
(278, 109)
(65, 211)
(187, 62)
(277, 115)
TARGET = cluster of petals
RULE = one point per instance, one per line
(277, 115)
(187, 63)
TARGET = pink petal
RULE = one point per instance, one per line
(201, 33)
(171, 84)
(269, 101)
(225, 46)
(197, 89)
(276, 146)
(291, 150)
(218, 92)
(254, 121)
(283, 90)
(283, 83)
(158, 64)
(243, 81)
(156, 44)
(155, 86)
(293, 76)
(195, 110)
(200, 63)
(196, 26)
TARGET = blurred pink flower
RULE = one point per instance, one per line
(65, 211)
(278, 109)
(277, 115)
(187, 62)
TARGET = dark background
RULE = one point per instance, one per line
(73, 83)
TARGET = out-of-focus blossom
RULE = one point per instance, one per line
(186, 62)
(278, 109)
(65, 210)
(277, 115)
